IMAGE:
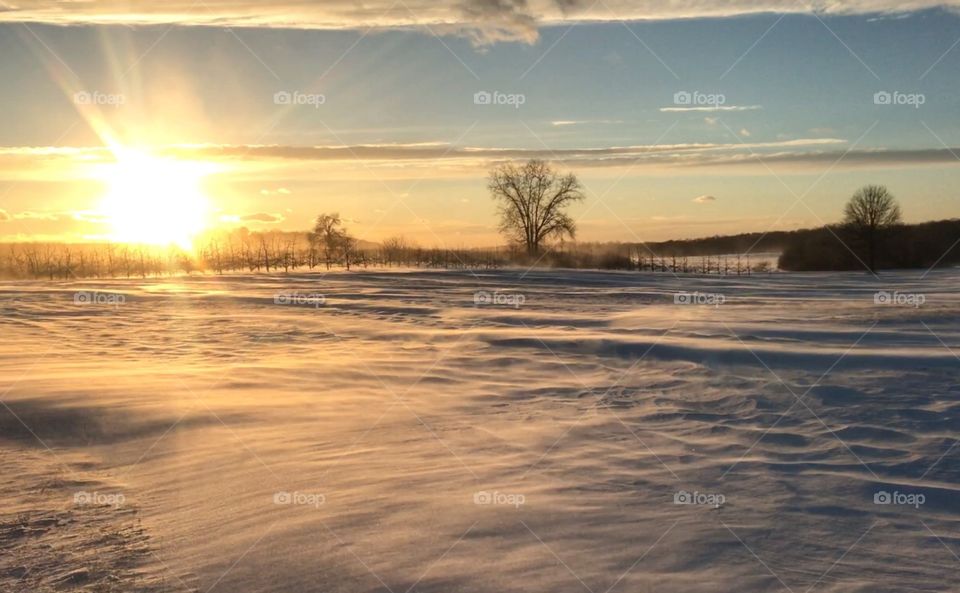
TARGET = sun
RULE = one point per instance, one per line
(154, 200)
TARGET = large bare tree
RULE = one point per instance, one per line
(532, 200)
(330, 235)
(868, 214)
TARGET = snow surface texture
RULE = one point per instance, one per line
(497, 432)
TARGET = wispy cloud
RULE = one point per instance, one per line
(712, 108)
(812, 152)
(262, 217)
(257, 217)
(586, 122)
(482, 21)
(29, 215)
(437, 151)
(704, 199)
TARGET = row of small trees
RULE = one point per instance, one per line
(274, 252)
(54, 261)
(241, 251)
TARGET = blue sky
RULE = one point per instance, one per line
(397, 144)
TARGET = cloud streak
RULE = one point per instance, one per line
(444, 152)
(482, 21)
(442, 158)
(711, 109)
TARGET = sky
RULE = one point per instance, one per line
(681, 118)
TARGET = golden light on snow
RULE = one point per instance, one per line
(154, 200)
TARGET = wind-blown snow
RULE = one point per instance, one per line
(401, 431)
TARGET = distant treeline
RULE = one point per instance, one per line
(772, 242)
(276, 251)
(829, 248)
(925, 245)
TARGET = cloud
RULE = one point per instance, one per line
(895, 17)
(585, 122)
(482, 21)
(4, 216)
(262, 217)
(28, 215)
(90, 216)
(704, 199)
(443, 159)
(488, 21)
(255, 218)
(711, 109)
(445, 152)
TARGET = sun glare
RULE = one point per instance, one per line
(154, 200)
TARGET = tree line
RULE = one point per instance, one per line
(238, 251)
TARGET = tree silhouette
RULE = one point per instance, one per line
(868, 214)
(532, 200)
(337, 244)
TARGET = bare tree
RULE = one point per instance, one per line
(868, 214)
(337, 244)
(532, 200)
(395, 249)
